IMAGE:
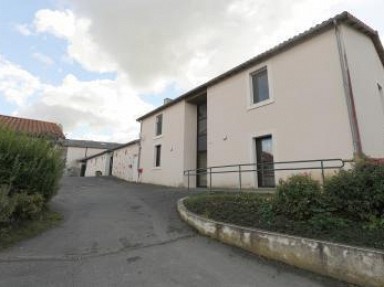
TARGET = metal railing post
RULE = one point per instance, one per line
(188, 179)
(239, 177)
(210, 178)
(322, 171)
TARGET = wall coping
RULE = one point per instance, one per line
(357, 265)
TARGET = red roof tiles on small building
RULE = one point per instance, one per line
(32, 127)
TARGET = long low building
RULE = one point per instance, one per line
(121, 162)
(319, 95)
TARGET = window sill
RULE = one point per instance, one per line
(156, 168)
(260, 104)
(158, 137)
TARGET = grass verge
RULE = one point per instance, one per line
(256, 211)
(12, 234)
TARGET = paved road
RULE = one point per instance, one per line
(124, 234)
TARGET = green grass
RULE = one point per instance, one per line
(12, 234)
(254, 210)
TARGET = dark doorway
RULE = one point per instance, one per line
(82, 170)
(201, 178)
(111, 165)
(264, 159)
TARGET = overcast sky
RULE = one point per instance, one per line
(94, 66)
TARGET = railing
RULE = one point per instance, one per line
(318, 164)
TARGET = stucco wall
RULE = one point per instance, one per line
(73, 154)
(172, 147)
(366, 72)
(99, 163)
(125, 162)
(306, 116)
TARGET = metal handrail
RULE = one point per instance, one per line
(265, 166)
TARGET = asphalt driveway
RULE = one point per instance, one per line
(124, 234)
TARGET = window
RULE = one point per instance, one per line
(159, 125)
(157, 155)
(265, 159)
(260, 89)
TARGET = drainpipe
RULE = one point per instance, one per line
(348, 91)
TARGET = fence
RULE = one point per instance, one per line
(264, 167)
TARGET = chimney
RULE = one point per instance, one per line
(167, 100)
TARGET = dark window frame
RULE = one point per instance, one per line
(157, 155)
(265, 174)
(257, 98)
(159, 125)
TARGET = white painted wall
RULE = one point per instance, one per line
(73, 154)
(125, 162)
(99, 163)
(307, 115)
(172, 147)
(366, 72)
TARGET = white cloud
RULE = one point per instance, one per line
(97, 109)
(16, 84)
(91, 109)
(148, 45)
(190, 42)
(75, 30)
(42, 58)
(23, 29)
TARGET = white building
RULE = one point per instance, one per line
(121, 162)
(318, 95)
(79, 149)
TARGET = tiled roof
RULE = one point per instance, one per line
(32, 127)
(90, 144)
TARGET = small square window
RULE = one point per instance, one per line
(159, 125)
(260, 88)
(157, 155)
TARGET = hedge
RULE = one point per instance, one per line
(30, 170)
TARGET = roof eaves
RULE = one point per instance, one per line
(109, 150)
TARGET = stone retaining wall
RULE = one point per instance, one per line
(356, 265)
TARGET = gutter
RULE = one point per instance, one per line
(348, 92)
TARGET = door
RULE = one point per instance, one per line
(264, 160)
(111, 165)
(82, 171)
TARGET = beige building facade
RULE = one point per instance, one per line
(121, 162)
(79, 149)
(317, 96)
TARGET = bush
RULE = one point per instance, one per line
(30, 170)
(7, 205)
(358, 194)
(29, 164)
(298, 198)
(27, 206)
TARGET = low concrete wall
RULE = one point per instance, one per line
(356, 265)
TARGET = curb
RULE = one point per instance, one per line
(361, 266)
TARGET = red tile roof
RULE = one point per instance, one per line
(32, 127)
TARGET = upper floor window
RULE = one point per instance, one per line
(159, 125)
(260, 89)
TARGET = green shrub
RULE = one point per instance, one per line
(358, 194)
(27, 206)
(31, 165)
(298, 198)
(7, 205)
